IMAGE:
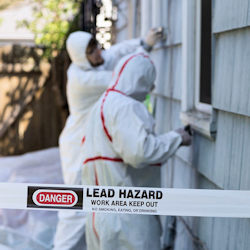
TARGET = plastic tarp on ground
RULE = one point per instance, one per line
(23, 229)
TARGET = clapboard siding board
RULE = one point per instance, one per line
(225, 162)
(146, 17)
(243, 234)
(167, 115)
(204, 183)
(220, 234)
(183, 175)
(230, 14)
(164, 13)
(167, 14)
(223, 152)
(183, 240)
(231, 88)
(231, 167)
(168, 65)
(248, 15)
(203, 155)
(235, 232)
(167, 118)
(230, 234)
(173, 21)
(245, 171)
(224, 233)
(204, 227)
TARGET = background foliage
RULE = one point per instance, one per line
(52, 21)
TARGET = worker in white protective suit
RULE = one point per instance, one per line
(121, 149)
(89, 75)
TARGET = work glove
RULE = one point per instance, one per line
(153, 36)
(185, 135)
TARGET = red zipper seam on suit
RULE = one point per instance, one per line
(96, 177)
(93, 215)
(97, 183)
(83, 139)
(108, 159)
(118, 91)
(123, 66)
(93, 224)
(102, 114)
(96, 158)
(102, 117)
(125, 63)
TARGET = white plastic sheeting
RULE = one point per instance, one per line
(23, 229)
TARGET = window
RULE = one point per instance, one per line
(197, 66)
(204, 54)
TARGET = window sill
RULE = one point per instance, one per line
(203, 123)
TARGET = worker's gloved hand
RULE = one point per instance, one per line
(153, 36)
(185, 135)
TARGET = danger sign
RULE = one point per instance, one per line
(55, 198)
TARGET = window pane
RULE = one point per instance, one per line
(205, 74)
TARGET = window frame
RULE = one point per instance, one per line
(201, 116)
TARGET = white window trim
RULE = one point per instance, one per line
(200, 116)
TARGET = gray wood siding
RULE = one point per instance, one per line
(167, 117)
(231, 87)
(232, 150)
(168, 65)
(226, 162)
(183, 240)
(184, 176)
(230, 14)
(167, 114)
(172, 19)
(203, 155)
(224, 233)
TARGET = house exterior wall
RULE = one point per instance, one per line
(223, 163)
(226, 162)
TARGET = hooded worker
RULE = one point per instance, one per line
(121, 149)
(89, 75)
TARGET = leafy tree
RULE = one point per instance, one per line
(52, 21)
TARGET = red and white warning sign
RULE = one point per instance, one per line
(50, 197)
(46, 197)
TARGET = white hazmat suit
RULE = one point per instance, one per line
(85, 85)
(121, 149)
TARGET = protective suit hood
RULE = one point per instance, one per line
(76, 44)
(134, 75)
